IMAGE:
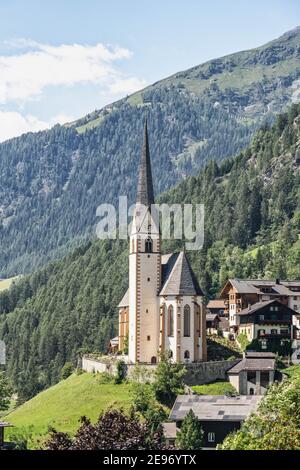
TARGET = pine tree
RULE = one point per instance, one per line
(190, 436)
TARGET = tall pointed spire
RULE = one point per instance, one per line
(145, 194)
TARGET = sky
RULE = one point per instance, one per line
(61, 59)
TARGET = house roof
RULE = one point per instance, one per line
(253, 286)
(212, 317)
(3, 424)
(214, 407)
(125, 300)
(217, 303)
(259, 305)
(114, 341)
(224, 323)
(253, 364)
(178, 277)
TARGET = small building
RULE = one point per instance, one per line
(219, 415)
(216, 306)
(3, 425)
(114, 345)
(254, 373)
(170, 432)
(212, 323)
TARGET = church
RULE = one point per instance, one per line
(163, 308)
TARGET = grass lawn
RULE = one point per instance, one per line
(5, 283)
(62, 405)
(216, 388)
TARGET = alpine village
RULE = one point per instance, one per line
(142, 343)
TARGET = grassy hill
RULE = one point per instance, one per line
(62, 405)
(52, 182)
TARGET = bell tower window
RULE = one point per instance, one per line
(149, 245)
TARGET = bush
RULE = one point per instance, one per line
(67, 370)
(121, 372)
(105, 378)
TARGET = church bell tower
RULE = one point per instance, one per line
(144, 268)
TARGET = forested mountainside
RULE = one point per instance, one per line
(252, 226)
(51, 182)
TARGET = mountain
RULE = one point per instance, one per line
(51, 182)
(252, 226)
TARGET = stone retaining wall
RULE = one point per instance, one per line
(197, 373)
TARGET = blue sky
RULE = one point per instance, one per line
(62, 59)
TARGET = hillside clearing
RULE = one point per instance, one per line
(62, 405)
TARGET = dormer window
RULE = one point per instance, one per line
(149, 245)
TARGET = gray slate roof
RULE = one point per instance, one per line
(145, 193)
(253, 364)
(253, 286)
(178, 277)
(212, 317)
(215, 408)
(258, 305)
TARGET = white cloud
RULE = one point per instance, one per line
(14, 124)
(25, 75)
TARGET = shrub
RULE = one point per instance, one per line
(67, 370)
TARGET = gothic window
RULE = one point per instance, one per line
(187, 321)
(170, 320)
(148, 245)
(153, 360)
(170, 353)
(186, 354)
(132, 249)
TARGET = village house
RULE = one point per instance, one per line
(163, 309)
(246, 297)
(212, 323)
(216, 306)
(218, 415)
(254, 373)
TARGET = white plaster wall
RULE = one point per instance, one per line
(132, 307)
(235, 381)
(187, 343)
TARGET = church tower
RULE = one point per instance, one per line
(144, 269)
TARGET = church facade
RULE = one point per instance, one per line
(163, 309)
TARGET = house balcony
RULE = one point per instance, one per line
(274, 336)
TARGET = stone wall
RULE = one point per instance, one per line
(206, 372)
(197, 373)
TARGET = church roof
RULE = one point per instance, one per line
(125, 300)
(178, 277)
(145, 193)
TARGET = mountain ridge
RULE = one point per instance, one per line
(52, 182)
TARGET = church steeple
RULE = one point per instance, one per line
(145, 193)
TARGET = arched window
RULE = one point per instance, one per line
(170, 353)
(170, 320)
(186, 354)
(149, 245)
(153, 360)
(251, 391)
(187, 321)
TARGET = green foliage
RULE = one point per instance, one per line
(145, 403)
(121, 372)
(105, 378)
(276, 425)
(243, 341)
(168, 381)
(219, 348)
(215, 388)
(5, 392)
(190, 435)
(282, 347)
(67, 370)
